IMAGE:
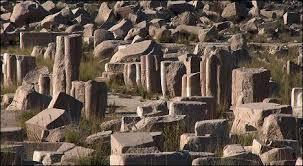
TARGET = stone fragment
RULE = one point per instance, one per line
(38, 51)
(133, 51)
(68, 103)
(207, 35)
(25, 64)
(44, 84)
(26, 98)
(105, 14)
(279, 126)
(296, 101)
(154, 108)
(171, 77)
(101, 35)
(100, 137)
(249, 85)
(158, 123)
(50, 118)
(108, 48)
(255, 114)
(277, 154)
(217, 128)
(121, 142)
(121, 29)
(291, 18)
(206, 143)
(50, 51)
(163, 158)
(234, 11)
(191, 85)
(77, 153)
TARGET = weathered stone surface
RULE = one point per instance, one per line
(44, 84)
(7, 99)
(158, 123)
(101, 35)
(277, 154)
(47, 157)
(112, 125)
(216, 128)
(127, 122)
(249, 85)
(208, 35)
(68, 103)
(27, 12)
(107, 49)
(255, 114)
(154, 108)
(121, 29)
(188, 141)
(191, 84)
(237, 42)
(223, 161)
(12, 134)
(163, 158)
(77, 153)
(50, 51)
(50, 118)
(120, 142)
(100, 137)
(53, 20)
(105, 14)
(296, 101)
(258, 147)
(171, 77)
(26, 98)
(234, 11)
(133, 51)
(279, 126)
(25, 64)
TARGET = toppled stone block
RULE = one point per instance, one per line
(100, 137)
(68, 103)
(133, 51)
(249, 85)
(47, 157)
(158, 123)
(12, 134)
(217, 128)
(51, 118)
(77, 153)
(206, 143)
(163, 158)
(121, 142)
(155, 108)
(26, 98)
(255, 114)
(127, 122)
(277, 154)
(279, 126)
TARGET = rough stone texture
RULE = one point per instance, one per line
(100, 137)
(108, 48)
(296, 101)
(68, 103)
(158, 123)
(133, 51)
(277, 154)
(258, 147)
(38, 51)
(101, 35)
(194, 111)
(27, 12)
(105, 14)
(171, 77)
(26, 98)
(216, 128)
(279, 126)
(50, 51)
(44, 84)
(121, 142)
(95, 99)
(191, 85)
(237, 42)
(31, 39)
(223, 160)
(188, 141)
(121, 29)
(154, 108)
(234, 11)
(163, 158)
(208, 35)
(12, 134)
(24, 65)
(255, 114)
(51, 118)
(209, 100)
(77, 152)
(249, 85)
(72, 58)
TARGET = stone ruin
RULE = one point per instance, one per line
(211, 93)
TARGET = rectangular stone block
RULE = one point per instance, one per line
(31, 39)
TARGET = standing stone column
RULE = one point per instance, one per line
(193, 84)
(138, 74)
(143, 71)
(59, 78)
(129, 74)
(72, 58)
(78, 92)
(184, 85)
(24, 65)
(44, 84)
(11, 70)
(153, 82)
(163, 66)
(95, 99)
